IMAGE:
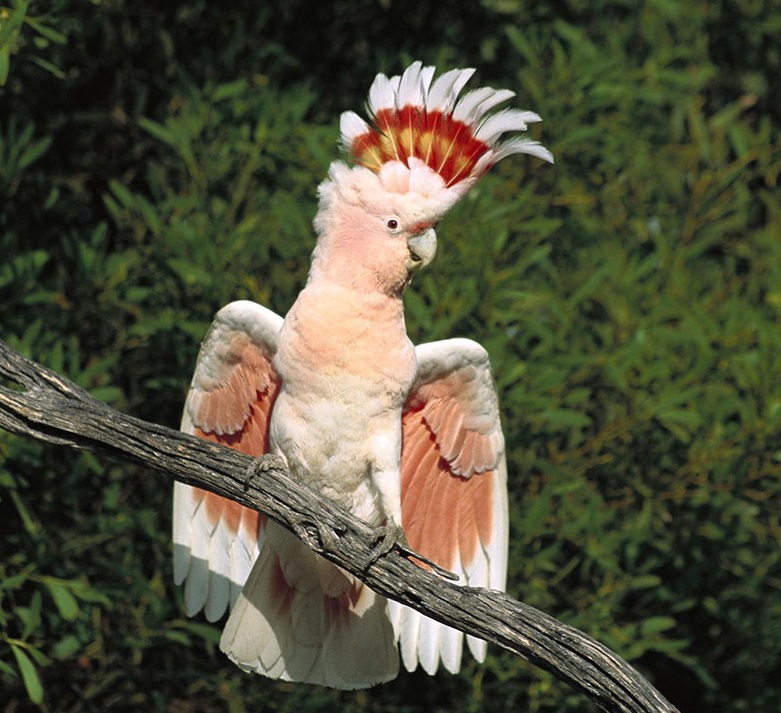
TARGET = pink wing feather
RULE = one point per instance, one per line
(216, 540)
(453, 489)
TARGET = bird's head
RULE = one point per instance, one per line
(371, 236)
(425, 148)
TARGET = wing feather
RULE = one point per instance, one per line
(409, 628)
(231, 396)
(454, 489)
(430, 642)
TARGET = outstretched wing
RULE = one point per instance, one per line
(233, 389)
(453, 489)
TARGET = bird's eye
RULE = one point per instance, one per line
(392, 224)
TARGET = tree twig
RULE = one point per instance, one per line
(38, 403)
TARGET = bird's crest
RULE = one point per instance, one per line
(417, 120)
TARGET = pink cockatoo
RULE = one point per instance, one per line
(402, 436)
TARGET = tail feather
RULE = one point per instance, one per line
(308, 632)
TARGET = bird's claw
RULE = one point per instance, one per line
(263, 464)
(388, 538)
(391, 537)
(317, 536)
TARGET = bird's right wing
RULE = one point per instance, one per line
(231, 396)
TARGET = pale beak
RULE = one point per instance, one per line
(422, 248)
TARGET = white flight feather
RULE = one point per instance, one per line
(451, 647)
(218, 596)
(428, 649)
(499, 96)
(351, 126)
(381, 94)
(518, 144)
(441, 93)
(410, 88)
(426, 75)
(409, 631)
(503, 121)
(469, 104)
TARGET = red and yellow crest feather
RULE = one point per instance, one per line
(414, 116)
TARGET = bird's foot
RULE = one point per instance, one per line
(387, 538)
(391, 537)
(263, 464)
(315, 535)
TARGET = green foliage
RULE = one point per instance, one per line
(19, 28)
(629, 297)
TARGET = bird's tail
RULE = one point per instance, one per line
(300, 618)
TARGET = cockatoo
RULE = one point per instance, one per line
(403, 436)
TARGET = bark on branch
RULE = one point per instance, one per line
(40, 404)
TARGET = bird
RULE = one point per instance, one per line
(405, 437)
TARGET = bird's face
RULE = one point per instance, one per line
(372, 238)
(380, 251)
(420, 239)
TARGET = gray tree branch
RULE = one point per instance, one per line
(38, 403)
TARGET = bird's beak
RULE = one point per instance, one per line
(422, 248)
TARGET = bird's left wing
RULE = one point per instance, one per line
(453, 489)
(231, 396)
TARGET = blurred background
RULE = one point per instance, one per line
(158, 160)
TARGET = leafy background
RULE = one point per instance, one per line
(157, 162)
